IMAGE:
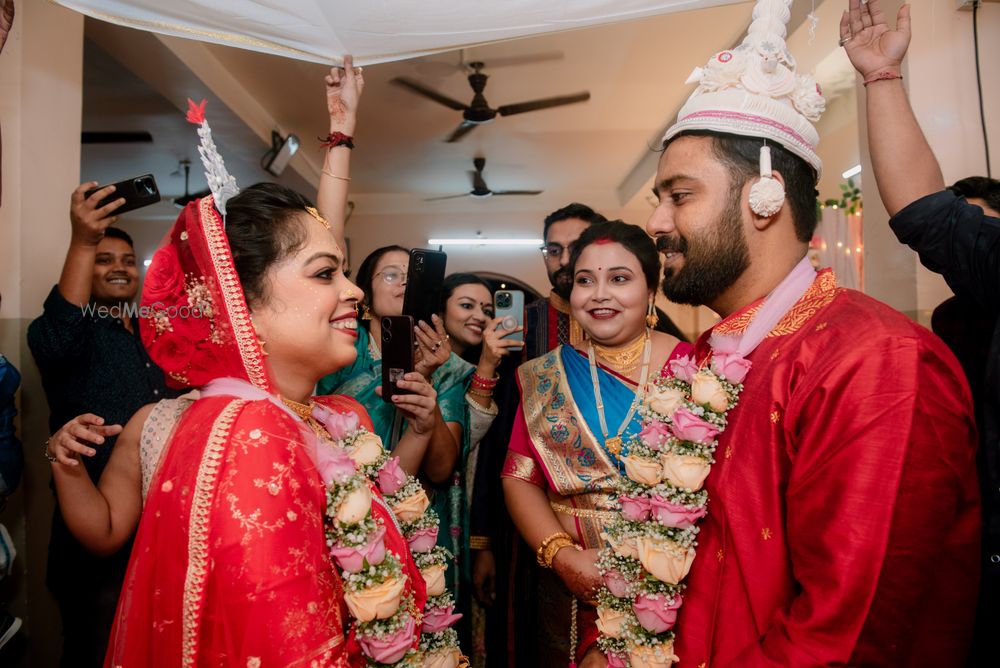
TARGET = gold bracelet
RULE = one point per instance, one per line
(540, 552)
(553, 548)
(332, 175)
(479, 542)
(476, 393)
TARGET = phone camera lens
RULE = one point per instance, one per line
(386, 336)
(144, 186)
(503, 300)
(387, 324)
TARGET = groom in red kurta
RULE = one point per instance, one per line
(843, 513)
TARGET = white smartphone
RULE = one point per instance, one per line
(509, 306)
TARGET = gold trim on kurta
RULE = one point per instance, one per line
(822, 291)
(202, 500)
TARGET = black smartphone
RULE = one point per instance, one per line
(138, 192)
(424, 280)
(397, 352)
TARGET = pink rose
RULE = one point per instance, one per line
(391, 477)
(334, 465)
(615, 660)
(338, 425)
(391, 648)
(423, 540)
(634, 508)
(684, 368)
(616, 583)
(689, 427)
(352, 559)
(439, 618)
(732, 367)
(656, 613)
(654, 434)
(676, 515)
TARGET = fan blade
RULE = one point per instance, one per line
(429, 93)
(545, 103)
(435, 199)
(517, 192)
(464, 128)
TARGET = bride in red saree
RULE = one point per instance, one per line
(231, 565)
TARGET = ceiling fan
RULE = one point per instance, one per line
(479, 187)
(479, 111)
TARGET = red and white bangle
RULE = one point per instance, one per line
(335, 139)
(883, 75)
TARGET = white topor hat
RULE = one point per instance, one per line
(753, 91)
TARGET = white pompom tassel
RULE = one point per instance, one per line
(767, 195)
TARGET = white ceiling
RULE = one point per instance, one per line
(596, 151)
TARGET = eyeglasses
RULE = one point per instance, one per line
(553, 250)
(392, 275)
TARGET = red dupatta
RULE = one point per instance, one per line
(229, 565)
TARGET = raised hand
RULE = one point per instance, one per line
(418, 404)
(433, 346)
(344, 86)
(496, 345)
(870, 44)
(89, 220)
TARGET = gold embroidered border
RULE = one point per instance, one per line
(232, 293)
(606, 515)
(822, 291)
(523, 468)
(201, 507)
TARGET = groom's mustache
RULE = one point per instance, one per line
(670, 245)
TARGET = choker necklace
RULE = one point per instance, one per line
(614, 443)
(624, 358)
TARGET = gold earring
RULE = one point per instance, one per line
(652, 318)
(365, 313)
(262, 343)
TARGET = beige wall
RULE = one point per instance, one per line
(41, 79)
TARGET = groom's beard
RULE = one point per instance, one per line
(713, 260)
(562, 282)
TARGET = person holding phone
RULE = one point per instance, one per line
(577, 403)
(87, 347)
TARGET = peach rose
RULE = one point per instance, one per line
(610, 621)
(706, 390)
(366, 450)
(356, 506)
(412, 507)
(443, 658)
(664, 559)
(642, 470)
(660, 656)
(434, 579)
(685, 471)
(378, 602)
(625, 547)
(665, 401)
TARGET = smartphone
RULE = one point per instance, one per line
(424, 279)
(509, 305)
(397, 352)
(138, 192)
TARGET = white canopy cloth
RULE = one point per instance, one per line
(373, 31)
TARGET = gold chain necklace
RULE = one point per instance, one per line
(625, 358)
(614, 443)
(304, 411)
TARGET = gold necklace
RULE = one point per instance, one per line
(614, 443)
(623, 358)
(304, 411)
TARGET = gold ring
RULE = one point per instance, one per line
(845, 40)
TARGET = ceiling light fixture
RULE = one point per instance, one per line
(853, 171)
(485, 242)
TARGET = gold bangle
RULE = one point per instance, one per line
(553, 548)
(332, 175)
(540, 552)
(476, 393)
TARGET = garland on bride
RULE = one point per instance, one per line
(651, 544)
(387, 624)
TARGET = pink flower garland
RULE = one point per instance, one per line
(651, 545)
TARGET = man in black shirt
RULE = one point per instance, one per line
(87, 347)
(955, 234)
